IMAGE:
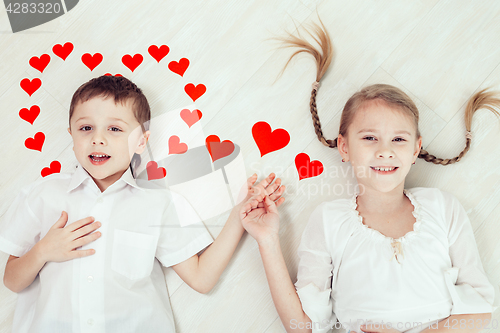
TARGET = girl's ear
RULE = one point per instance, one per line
(342, 147)
(418, 146)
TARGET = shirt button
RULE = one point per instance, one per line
(99, 200)
(90, 278)
(90, 322)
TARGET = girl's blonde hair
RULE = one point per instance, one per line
(390, 94)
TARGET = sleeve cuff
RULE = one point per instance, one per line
(11, 248)
(187, 252)
(466, 300)
(317, 305)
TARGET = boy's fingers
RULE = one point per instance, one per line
(266, 181)
(251, 180)
(80, 223)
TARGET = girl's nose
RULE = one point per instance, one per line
(385, 151)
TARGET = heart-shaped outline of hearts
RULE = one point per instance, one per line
(179, 67)
(268, 141)
(92, 61)
(132, 62)
(55, 167)
(155, 172)
(31, 86)
(40, 63)
(30, 114)
(306, 168)
(195, 92)
(63, 51)
(175, 146)
(158, 53)
(218, 149)
(191, 117)
(35, 143)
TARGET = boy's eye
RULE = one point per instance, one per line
(115, 128)
(83, 128)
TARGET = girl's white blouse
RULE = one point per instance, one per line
(427, 275)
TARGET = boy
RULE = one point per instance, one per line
(110, 226)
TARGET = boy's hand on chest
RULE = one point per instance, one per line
(61, 241)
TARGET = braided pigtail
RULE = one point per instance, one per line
(481, 99)
(323, 59)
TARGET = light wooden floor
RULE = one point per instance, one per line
(438, 51)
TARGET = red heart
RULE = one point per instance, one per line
(132, 62)
(218, 149)
(154, 172)
(195, 92)
(31, 86)
(179, 67)
(158, 53)
(31, 114)
(92, 61)
(175, 146)
(268, 141)
(191, 117)
(63, 51)
(55, 167)
(36, 143)
(306, 168)
(40, 63)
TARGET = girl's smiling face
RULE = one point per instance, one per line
(101, 127)
(380, 136)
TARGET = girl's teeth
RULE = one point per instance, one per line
(384, 169)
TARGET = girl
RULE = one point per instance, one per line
(390, 256)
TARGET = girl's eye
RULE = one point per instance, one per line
(369, 138)
(83, 128)
(116, 128)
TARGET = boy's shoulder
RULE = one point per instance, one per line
(52, 182)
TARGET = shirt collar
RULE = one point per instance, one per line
(80, 175)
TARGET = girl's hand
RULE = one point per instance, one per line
(259, 215)
(60, 242)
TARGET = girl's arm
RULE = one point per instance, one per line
(263, 225)
(202, 272)
(283, 292)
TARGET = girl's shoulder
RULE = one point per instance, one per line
(432, 198)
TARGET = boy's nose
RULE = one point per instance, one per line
(98, 139)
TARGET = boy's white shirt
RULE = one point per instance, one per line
(121, 288)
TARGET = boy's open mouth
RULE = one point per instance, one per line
(99, 157)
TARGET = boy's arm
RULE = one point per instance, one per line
(202, 272)
(20, 272)
(59, 244)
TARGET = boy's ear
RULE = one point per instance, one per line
(142, 143)
(69, 131)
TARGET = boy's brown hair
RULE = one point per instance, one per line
(123, 91)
